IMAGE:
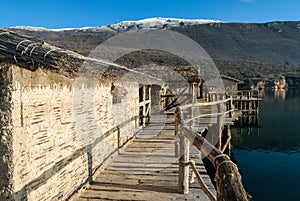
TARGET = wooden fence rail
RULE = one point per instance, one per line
(244, 93)
(246, 101)
(228, 179)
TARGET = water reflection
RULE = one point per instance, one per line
(261, 93)
(280, 94)
(267, 147)
(247, 125)
(277, 126)
(270, 175)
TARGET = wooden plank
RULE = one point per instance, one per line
(135, 174)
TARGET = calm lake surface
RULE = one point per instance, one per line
(267, 149)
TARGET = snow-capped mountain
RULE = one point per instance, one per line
(159, 22)
(149, 23)
(31, 28)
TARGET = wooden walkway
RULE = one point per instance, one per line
(146, 169)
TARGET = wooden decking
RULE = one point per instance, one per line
(146, 169)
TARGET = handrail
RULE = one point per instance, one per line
(207, 115)
(204, 104)
(229, 111)
(247, 93)
(228, 178)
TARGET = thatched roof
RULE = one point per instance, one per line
(232, 79)
(33, 54)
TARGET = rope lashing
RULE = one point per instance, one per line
(28, 46)
(224, 162)
(33, 49)
(15, 57)
(25, 40)
(47, 54)
(219, 156)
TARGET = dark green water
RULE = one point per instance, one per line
(268, 150)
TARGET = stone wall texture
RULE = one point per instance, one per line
(6, 187)
(63, 129)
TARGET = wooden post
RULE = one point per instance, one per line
(194, 97)
(220, 125)
(183, 179)
(176, 131)
(231, 107)
(184, 157)
(162, 97)
(144, 106)
(199, 95)
(149, 106)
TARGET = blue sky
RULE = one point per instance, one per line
(80, 13)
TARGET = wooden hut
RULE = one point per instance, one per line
(59, 119)
(230, 83)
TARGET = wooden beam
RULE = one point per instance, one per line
(148, 109)
(144, 103)
(227, 143)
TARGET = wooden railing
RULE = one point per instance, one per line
(244, 94)
(228, 180)
(246, 101)
(211, 97)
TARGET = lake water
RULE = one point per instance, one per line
(267, 149)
